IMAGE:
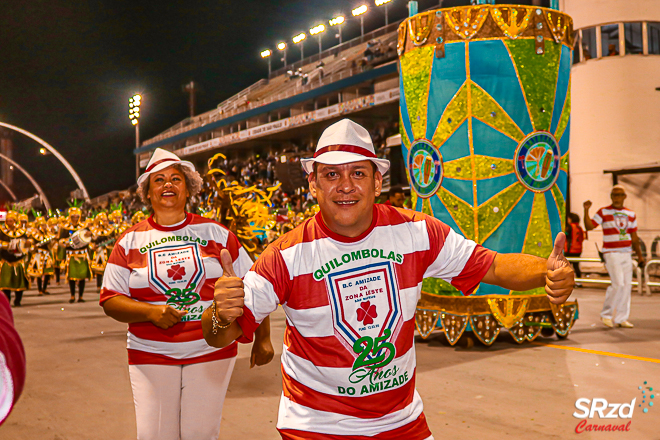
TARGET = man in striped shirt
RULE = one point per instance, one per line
(349, 280)
(619, 237)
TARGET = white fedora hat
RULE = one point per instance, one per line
(344, 142)
(160, 160)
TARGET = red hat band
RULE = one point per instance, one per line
(158, 162)
(345, 148)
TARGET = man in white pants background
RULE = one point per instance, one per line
(619, 238)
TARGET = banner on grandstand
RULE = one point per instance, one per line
(268, 128)
(386, 96)
(327, 112)
(321, 114)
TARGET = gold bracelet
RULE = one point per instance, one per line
(215, 321)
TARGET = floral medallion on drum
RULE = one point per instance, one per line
(424, 168)
(537, 161)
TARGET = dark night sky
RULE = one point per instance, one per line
(69, 67)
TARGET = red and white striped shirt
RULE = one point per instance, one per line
(348, 362)
(12, 361)
(618, 225)
(176, 265)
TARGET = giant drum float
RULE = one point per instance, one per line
(485, 118)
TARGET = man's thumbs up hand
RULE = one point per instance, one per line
(557, 258)
(229, 292)
(560, 278)
(227, 264)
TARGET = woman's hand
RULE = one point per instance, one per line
(164, 316)
(262, 352)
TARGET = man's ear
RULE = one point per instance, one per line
(311, 179)
(378, 182)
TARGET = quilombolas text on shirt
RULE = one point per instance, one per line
(172, 238)
(354, 256)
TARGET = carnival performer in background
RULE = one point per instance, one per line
(76, 262)
(396, 197)
(41, 263)
(575, 236)
(116, 219)
(13, 240)
(159, 278)
(23, 219)
(25, 224)
(367, 260)
(619, 239)
(137, 218)
(56, 250)
(103, 238)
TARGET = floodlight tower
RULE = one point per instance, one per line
(134, 116)
(266, 54)
(338, 21)
(281, 46)
(300, 38)
(387, 5)
(318, 31)
(359, 12)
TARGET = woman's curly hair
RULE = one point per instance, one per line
(194, 184)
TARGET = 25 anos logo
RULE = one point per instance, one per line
(587, 409)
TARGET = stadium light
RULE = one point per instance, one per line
(387, 5)
(359, 11)
(338, 21)
(281, 46)
(318, 30)
(134, 116)
(134, 109)
(266, 54)
(299, 39)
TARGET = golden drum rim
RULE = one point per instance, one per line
(552, 25)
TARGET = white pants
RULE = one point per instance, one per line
(180, 402)
(620, 266)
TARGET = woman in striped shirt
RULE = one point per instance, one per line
(158, 279)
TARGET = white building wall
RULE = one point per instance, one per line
(615, 119)
(586, 13)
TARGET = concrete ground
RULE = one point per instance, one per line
(78, 388)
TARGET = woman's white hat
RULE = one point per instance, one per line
(344, 142)
(160, 160)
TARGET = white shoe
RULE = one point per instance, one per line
(625, 324)
(607, 322)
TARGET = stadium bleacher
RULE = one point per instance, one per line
(331, 65)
